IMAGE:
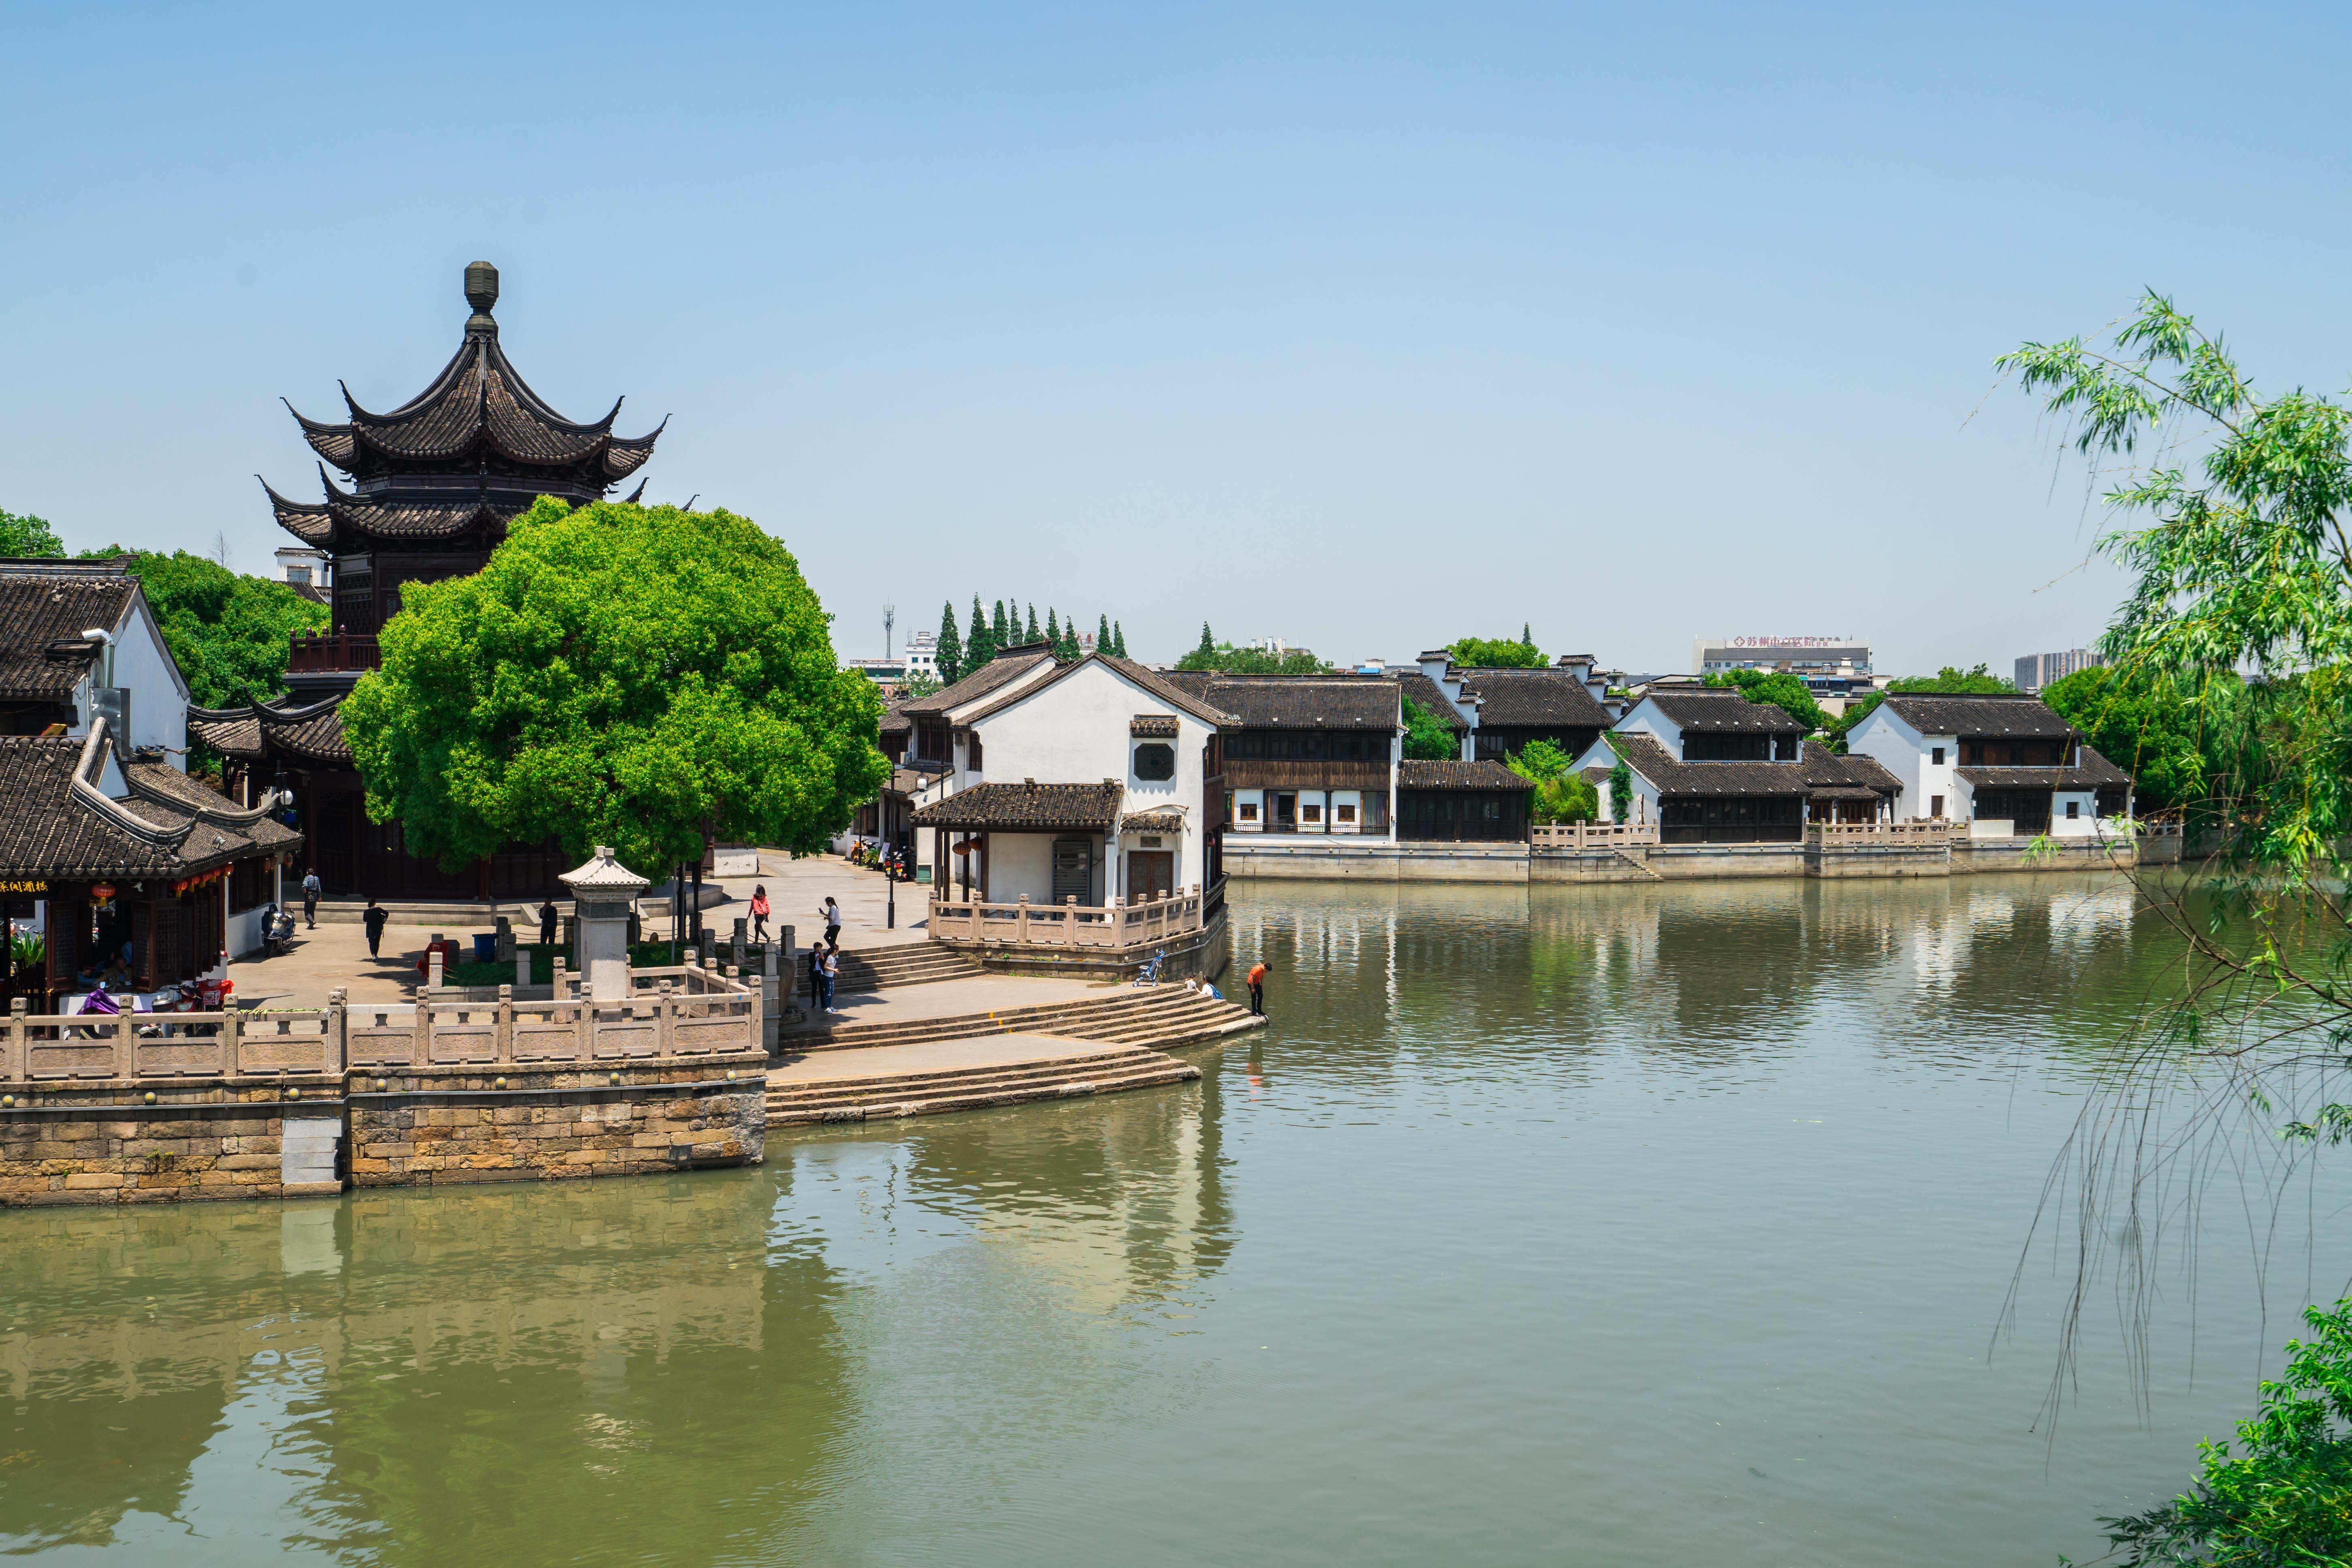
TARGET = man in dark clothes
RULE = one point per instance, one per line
(373, 917)
(547, 923)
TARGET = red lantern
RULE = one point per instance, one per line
(101, 891)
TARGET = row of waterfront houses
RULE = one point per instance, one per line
(1102, 780)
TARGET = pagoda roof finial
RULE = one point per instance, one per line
(481, 293)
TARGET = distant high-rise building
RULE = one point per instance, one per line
(2036, 670)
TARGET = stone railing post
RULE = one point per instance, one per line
(125, 1042)
(339, 1038)
(665, 1014)
(742, 940)
(523, 968)
(232, 1040)
(1021, 920)
(424, 1028)
(1070, 921)
(13, 1068)
(503, 1032)
(433, 962)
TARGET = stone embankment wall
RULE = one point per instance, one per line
(1517, 863)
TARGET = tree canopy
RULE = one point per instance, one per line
(2172, 744)
(1497, 653)
(23, 534)
(1225, 658)
(228, 631)
(1559, 796)
(1427, 737)
(1777, 688)
(626, 675)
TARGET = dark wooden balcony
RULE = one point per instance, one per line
(318, 653)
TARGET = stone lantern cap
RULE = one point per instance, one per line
(603, 877)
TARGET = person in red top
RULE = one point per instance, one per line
(1258, 972)
(760, 912)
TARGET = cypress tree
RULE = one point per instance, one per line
(979, 643)
(1102, 635)
(996, 626)
(1071, 651)
(1052, 629)
(1119, 639)
(1034, 635)
(1208, 649)
(951, 649)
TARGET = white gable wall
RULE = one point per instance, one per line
(1887, 738)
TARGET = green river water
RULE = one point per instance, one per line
(1592, 1225)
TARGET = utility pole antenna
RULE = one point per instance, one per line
(890, 618)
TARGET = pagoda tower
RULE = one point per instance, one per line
(432, 487)
(434, 483)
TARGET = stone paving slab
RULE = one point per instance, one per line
(950, 998)
(930, 1056)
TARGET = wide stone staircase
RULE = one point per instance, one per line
(911, 963)
(1133, 1026)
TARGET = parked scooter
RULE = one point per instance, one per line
(277, 932)
(199, 996)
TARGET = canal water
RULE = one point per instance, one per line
(1639, 1225)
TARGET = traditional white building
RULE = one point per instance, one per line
(2005, 764)
(1095, 781)
(52, 672)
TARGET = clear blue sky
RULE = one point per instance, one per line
(1362, 327)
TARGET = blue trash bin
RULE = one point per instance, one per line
(486, 947)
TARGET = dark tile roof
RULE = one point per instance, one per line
(1827, 770)
(1651, 759)
(1026, 806)
(2089, 773)
(43, 610)
(1158, 724)
(1415, 773)
(1552, 698)
(1004, 666)
(1167, 820)
(166, 828)
(1149, 680)
(895, 723)
(312, 733)
(1724, 708)
(344, 518)
(1980, 715)
(1308, 701)
(1432, 696)
(232, 731)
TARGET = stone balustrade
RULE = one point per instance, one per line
(1592, 834)
(1914, 830)
(1070, 924)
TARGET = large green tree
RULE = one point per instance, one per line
(948, 655)
(2171, 744)
(642, 676)
(1559, 796)
(1497, 653)
(23, 534)
(228, 632)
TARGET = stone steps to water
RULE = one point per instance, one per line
(974, 1089)
(884, 968)
(1182, 1016)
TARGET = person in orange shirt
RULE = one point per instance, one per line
(1258, 972)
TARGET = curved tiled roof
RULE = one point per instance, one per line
(1003, 667)
(311, 734)
(1415, 773)
(1988, 715)
(1547, 697)
(57, 824)
(1723, 710)
(1031, 806)
(1426, 693)
(352, 521)
(44, 609)
(1307, 702)
(1827, 770)
(1647, 756)
(2089, 773)
(231, 732)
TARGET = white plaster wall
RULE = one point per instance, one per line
(1319, 801)
(1075, 731)
(159, 697)
(1645, 719)
(2086, 801)
(1901, 751)
(1021, 864)
(1255, 797)
(1351, 797)
(244, 933)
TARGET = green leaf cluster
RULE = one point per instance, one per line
(642, 676)
(2285, 1495)
(1775, 689)
(991, 634)
(1224, 659)
(24, 535)
(228, 631)
(1559, 796)
(1427, 737)
(1497, 653)
(2174, 743)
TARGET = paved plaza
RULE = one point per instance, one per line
(336, 954)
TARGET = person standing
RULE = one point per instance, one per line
(760, 912)
(373, 917)
(831, 914)
(832, 976)
(1258, 972)
(312, 888)
(547, 919)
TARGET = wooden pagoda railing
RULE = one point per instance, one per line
(320, 653)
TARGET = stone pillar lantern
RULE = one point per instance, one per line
(602, 892)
